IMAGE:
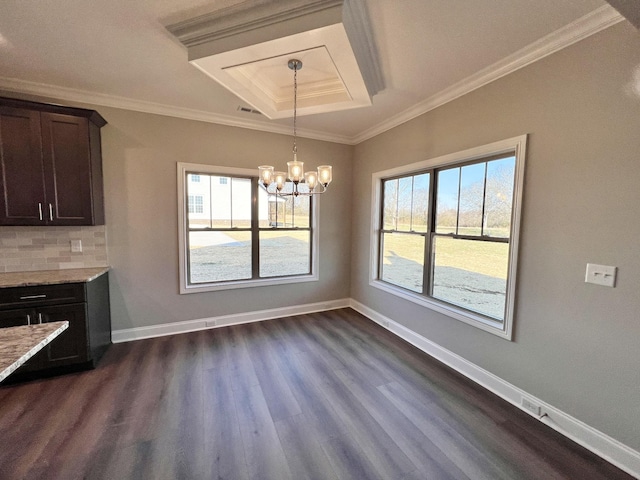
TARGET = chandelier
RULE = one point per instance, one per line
(274, 182)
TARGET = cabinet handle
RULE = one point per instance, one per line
(40, 210)
(31, 297)
(28, 319)
(50, 212)
(39, 318)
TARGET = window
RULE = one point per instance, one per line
(233, 235)
(446, 233)
(194, 178)
(195, 204)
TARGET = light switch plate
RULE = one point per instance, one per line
(76, 246)
(601, 275)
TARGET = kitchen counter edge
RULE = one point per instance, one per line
(50, 277)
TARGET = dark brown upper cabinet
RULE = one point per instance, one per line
(50, 165)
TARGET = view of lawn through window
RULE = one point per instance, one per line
(445, 233)
(237, 232)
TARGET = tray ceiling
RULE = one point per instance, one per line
(120, 53)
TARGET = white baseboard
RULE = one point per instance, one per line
(139, 333)
(608, 448)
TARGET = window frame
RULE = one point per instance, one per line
(515, 146)
(183, 254)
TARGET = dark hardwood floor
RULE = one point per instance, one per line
(324, 396)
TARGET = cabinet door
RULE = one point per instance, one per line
(67, 168)
(21, 175)
(16, 318)
(72, 345)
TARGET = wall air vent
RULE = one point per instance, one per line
(248, 110)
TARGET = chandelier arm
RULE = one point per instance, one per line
(296, 65)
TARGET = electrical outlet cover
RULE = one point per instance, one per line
(601, 275)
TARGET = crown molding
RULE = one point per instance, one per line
(363, 43)
(247, 17)
(590, 24)
(55, 92)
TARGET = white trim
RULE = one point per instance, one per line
(185, 288)
(590, 24)
(516, 145)
(139, 333)
(585, 26)
(604, 446)
(465, 316)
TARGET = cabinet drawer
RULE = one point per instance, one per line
(41, 295)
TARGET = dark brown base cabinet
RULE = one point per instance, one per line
(84, 305)
(50, 165)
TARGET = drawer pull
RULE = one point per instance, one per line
(50, 212)
(39, 318)
(40, 210)
(28, 319)
(32, 297)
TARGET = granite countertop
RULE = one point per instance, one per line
(19, 344)
(50, 277)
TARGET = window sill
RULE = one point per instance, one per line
(470, 318)
(263, 282)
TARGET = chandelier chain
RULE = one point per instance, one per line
(295, 106)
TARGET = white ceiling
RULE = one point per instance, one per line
(119, 53)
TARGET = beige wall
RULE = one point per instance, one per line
(576, 345)
(140, 152)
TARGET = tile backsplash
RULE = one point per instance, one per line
(49, 248)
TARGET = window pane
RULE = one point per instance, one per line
(471, 274)
(390, 211)
(198, 201)
(264, 208)
(447, 200)
(471, 199)
(285, 252)
(499, 197)
(403, 260)
(273, 211)
(405, 192)
(220, 197)
(420, 213)
(240, 201)
(219, 256)
(301, 209)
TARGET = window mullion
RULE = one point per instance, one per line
(484, 199)
(381, 229)
(458, 207)
(428, 241)
(255, 230)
